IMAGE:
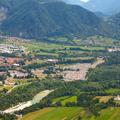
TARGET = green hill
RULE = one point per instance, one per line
(36, 19)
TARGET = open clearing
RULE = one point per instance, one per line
(104, 99)
(79, 71)
(76, 72)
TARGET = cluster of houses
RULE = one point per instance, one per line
(18, 74)
(54, 61)
(4, 48)
(14, 74)
(7, 63)
(114, 49)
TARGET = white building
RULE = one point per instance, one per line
(117, 98)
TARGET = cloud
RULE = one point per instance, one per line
(78, 2)
(85, 1)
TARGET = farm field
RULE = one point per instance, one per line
(71, 113)
(109, 114)
(104, 99)
(65, 99)
(62, 113)
(113, 91)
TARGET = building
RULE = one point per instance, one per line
(18, 74)
(117, 98)
(52, 61)
(115, 49)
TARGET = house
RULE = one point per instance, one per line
(52, 61)
(2, 73)
(2, 60)
(100, 58)
(1, 82)
(117, 98)
(12, 61)
(18, 74)
(9, 82)
(16, 65)
(115, 49)
(11, 49)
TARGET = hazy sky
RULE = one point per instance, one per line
(84, 0)
(104, 6)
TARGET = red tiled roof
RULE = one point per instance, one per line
(12, 60)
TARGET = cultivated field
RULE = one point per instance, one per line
(109, 114)
(104, 99)
(71, 113)
(65, 99)
(62, 113)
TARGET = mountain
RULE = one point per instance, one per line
(106, 6)
(37, 18)
(114, 22)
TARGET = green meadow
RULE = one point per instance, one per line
(60, 113)
(72, 113)
(65, 99)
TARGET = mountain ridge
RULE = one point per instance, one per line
(49, 19)
(31, 19)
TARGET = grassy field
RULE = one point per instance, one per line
(35, 45)
(65, 99)
(109, 114)
(59, 99)
(62, 113)
(113, 91)
(104, 98)
(70, 99)
(71, 113)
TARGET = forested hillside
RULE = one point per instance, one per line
(36, 19)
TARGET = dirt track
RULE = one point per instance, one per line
(35, 100)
